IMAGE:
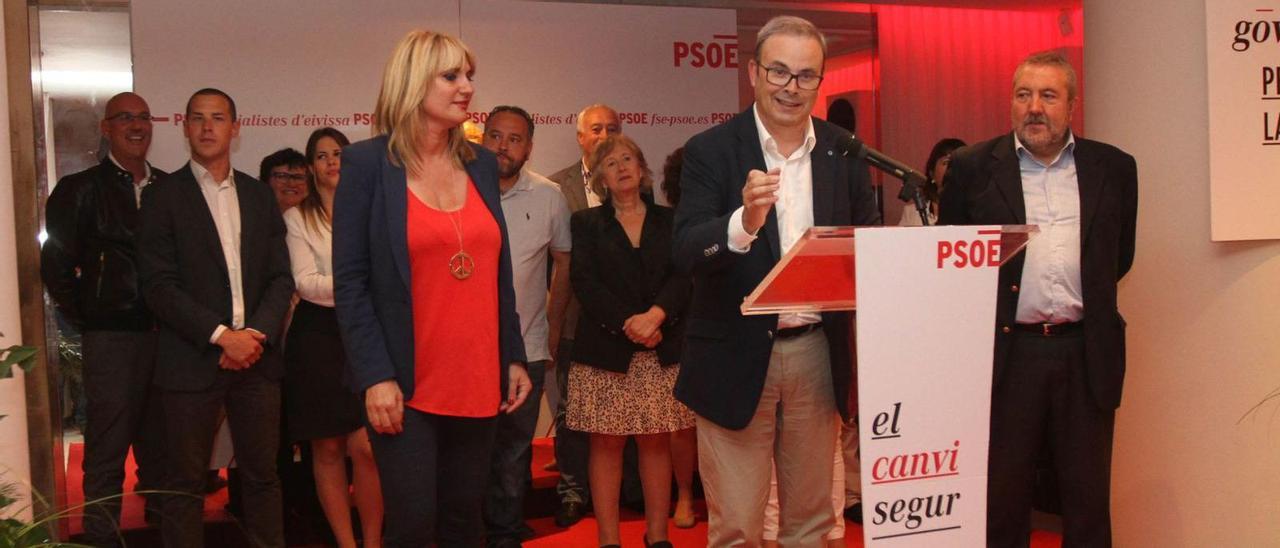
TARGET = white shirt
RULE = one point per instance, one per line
(911, 216)
(1050, 290)
(593, 199)
(537, 217)
(224, 205)
(137, 186)
(310, 257)
(794, 207)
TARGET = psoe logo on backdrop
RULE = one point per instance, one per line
(720, 52)
(983, 251)
(1256, 32)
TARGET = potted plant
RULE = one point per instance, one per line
(13, 531)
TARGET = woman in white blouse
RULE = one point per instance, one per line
(320, 406)
(934, 171)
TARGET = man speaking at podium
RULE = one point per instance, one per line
(766, 387)
(1059, 338)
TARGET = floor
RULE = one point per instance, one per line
(221, 530)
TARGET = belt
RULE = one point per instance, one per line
(792, 332)
(1050, 329)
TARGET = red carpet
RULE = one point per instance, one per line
(584, 534)
(546, 534)
(131, 516)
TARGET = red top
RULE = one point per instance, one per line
(455, 322)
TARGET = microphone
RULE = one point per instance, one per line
(912, 180)
(850, 145)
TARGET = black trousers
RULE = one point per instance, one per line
(252, 403)
(510, 475)
(1041, 402)
(572, 448)
(433, 479)
(122, 410)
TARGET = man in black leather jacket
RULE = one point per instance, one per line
(89, 268)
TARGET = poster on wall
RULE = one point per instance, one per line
(924, 402)
(294, 66)
(1243, 38)
(291, 66)
(670, 72)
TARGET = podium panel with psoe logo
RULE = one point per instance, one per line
(925, 300)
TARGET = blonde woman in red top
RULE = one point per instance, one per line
(424, 295)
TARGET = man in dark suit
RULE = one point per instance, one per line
(595, 123)
(766, 388)
(1059, 338)
(215, 272)
(88, 266)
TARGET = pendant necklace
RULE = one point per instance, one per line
(461, 265)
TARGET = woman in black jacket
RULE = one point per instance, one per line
(628, 341)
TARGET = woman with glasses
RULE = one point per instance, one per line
(934, 170)
(423, 284)
(285, 171)
(319, 404)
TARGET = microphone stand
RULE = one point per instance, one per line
(912, 191)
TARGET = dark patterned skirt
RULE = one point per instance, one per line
(636, 402)
(317, 401)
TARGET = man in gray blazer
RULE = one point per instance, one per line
(595, 123)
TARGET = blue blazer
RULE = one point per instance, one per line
(371, 277)
(726, 354)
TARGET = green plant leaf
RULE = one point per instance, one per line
(37, 534)
(22, 356)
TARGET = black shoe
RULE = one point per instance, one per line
(854, 513)
(569, 513)
(659, 544)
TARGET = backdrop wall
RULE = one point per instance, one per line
(293, 66)
(1202, 316)
(948, 72)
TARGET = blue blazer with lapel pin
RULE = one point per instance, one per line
(726, 354)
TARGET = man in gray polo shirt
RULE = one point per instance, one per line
(538, 226)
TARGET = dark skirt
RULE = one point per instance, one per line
(317, 399)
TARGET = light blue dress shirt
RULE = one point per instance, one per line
(1050, 291)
